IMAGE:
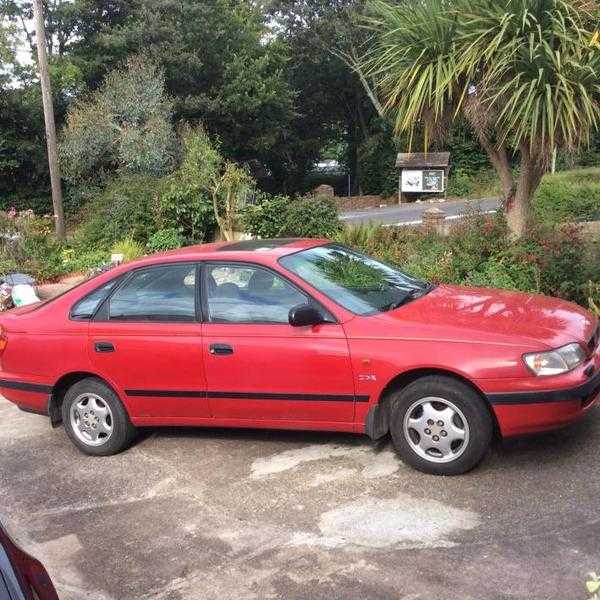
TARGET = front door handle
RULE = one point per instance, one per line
(220, 349)
(104, 347)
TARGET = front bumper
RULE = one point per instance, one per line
(533, 411)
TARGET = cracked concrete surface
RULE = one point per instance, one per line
(214, 513)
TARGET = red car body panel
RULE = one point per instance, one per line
(325, 377)
(32, 578)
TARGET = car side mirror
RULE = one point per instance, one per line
(304, 315)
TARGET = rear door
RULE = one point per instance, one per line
(147, 339)
(258, 367)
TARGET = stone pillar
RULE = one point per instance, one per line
(324, 190)
(434, 220)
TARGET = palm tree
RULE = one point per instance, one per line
(525, 74)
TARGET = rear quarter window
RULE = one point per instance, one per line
(86, 307)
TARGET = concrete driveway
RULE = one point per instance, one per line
(224, 514)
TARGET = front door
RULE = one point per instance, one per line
(147, 339)
(258, 367)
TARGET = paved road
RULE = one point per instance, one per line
(217, 514)
(405, 214)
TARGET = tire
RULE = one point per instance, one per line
(440, 426)
(95, 419)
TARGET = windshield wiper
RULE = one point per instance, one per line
(408, 297)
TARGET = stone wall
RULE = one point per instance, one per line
(363, 202)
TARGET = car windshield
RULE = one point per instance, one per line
(356, 281)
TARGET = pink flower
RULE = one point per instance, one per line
(12, 212)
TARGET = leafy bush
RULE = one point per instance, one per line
(129, 248)
(568, 196)
(548, 259)
(79, 260)
(125, 125)
(28, 243)
(460, 183)
(125, 208)
(463, 183)
(266, 218)
(185, 204)
(377, 155)
(311, 217)
(281, 216)
(357, 235)
(165, 239)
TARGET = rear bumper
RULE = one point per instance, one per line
(533, 411)
(30, 396)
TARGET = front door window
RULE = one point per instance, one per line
(249, 294)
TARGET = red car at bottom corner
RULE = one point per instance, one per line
(22, 577)
(299, 334)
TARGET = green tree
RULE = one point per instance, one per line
(125, 125)
(523, 73)
(331, 103)
(221, 66)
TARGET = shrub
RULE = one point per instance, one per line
(124, 209)
(357, 235)
(28, 244)
(185, 203)
(129, 248)
(311, 217)
(78, 260)
(377, 155)
(460, 183)
(266, 218)
(281, 216)
(548, 259)
(568, 196)
(126, 124)
(165, 239)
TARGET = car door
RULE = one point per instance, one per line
(146, 338)
(259, 367)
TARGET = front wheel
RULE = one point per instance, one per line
(95, 419)
(440, 425)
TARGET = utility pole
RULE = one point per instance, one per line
(40, 39)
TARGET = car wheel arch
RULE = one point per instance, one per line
(60, 388)
(377, 419)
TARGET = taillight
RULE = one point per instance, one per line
(3, 339)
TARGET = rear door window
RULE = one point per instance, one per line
(161, 294)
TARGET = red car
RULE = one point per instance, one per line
(299, 334)
(22, 577)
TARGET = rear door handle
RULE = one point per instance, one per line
(104, 347)
(220, 349)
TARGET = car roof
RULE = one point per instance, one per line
(256, 250)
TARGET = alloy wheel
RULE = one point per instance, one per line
(436, 429)
(91, 419)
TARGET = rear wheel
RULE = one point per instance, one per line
(440, 425)
(95, 419)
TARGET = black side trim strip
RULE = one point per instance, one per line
(25, 387)
(167, 393)
(248, 395)
(576, 393)
(301, 397)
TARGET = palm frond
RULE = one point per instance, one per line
(531, 67)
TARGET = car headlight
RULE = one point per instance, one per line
(557, 361)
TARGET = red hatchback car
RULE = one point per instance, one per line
(299, 334)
